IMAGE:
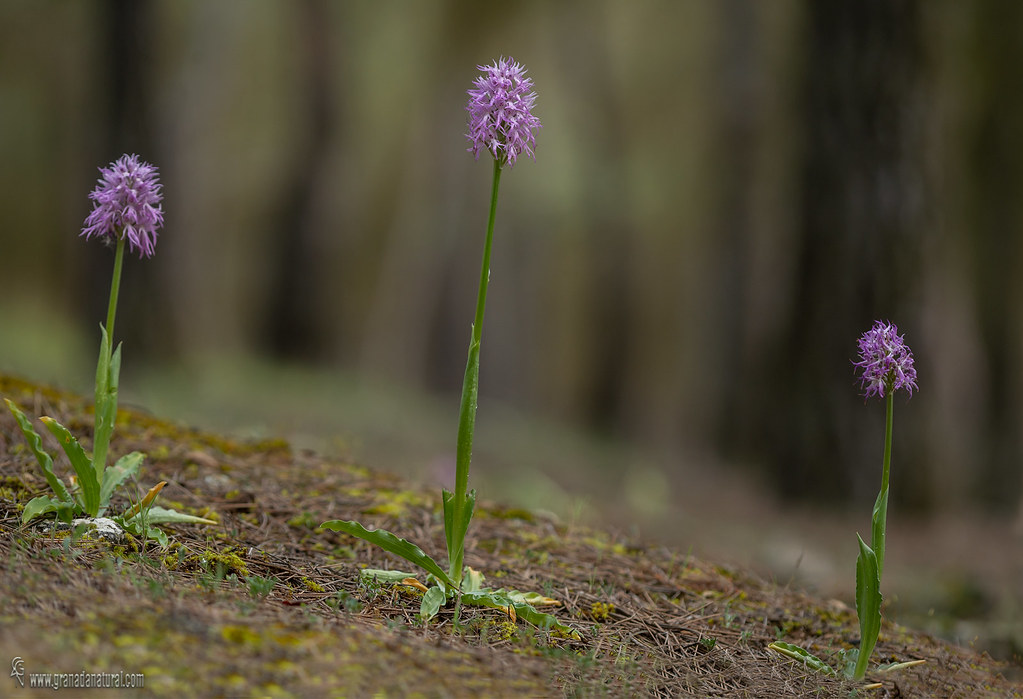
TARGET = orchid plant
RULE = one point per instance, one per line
(886, 366)
(501, 122)
(127, 213)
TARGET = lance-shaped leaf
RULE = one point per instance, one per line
(162, 515)
(532, 598)
(385, 576)
(497, 599)
(803, 656)
(868, 605)
(45, 460)
(392, 544)
(892, 667)
(455, 531)
(107, 372)
(81, 463)
(126, 467)
(145, 502)
(878, 520)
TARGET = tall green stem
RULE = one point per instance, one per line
(106, 377)
(879, 522)
(467, 413)
(115, 288)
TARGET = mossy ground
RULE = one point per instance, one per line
(265, 604)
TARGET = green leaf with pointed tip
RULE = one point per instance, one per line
(103, 365)
(126, 467)
(497, 599)
(162, 515)
(454, 531)
(102, 386)
(433, 600)
(868, 605)
(81, 463)
(107, 371)
(393, 544)
(892, 667)
(45, 460)
(531, 598)
(542, 620)
(448, 506)
(385, 576)
(878, 520)
(803, 656)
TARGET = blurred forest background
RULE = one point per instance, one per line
(725, 196)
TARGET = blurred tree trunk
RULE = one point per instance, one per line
(993, 228)
(739, 133)
(293, 323)
(126, 85)
(857, 250)
(604, 323)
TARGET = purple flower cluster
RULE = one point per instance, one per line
(127, 204)
(886, 361)
(500, 112)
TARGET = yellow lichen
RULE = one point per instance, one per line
(599, 611)
(228, 559)
(242, 635)
(313, 585)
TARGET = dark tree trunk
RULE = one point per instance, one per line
(126, 82)
(858, 244)
(294, 327)
(994, 224)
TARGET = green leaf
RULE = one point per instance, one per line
(454, 531)
(385, 576)
(115, 371)
(542, 620)
(433, 600)
(531, 598)
(161, 515)
(472, 580)
(103, 365)
(106, 408)
(868, 605)
(878, 521)
(847, 660)
(102, 391)
(892, 667)
(158, 535)
(126, 467)
(493, 599)
(497, 599)
(39, 506)
(81, 463)
(146, 531)
(803, 656)
(393, 544)
(44, 459)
